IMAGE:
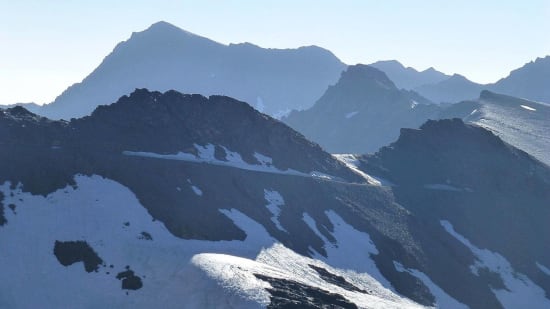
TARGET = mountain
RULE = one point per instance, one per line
(361, 113)
(31, 106)
(407, 77)
(530, 81)
(164, 199)
(454, 89)
(164, 57)
(488, 195)
(522, 123)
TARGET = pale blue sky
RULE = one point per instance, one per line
(48, 45)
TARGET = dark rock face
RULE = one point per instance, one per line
(145, 236)
(129, 280)
(291, 294)
(495, 195)
(70, 252)
(361, 113)
(164, 57)
(335, 279)
(2, 218)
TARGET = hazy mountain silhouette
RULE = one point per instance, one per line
(407, 77)
(453, 89)
(531, 81)
(164, 57)
(361, 113)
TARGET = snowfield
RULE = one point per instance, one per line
(520, 291)
(232, 159)
(175, 272)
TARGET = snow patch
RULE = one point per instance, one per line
(414, 104)
(442, 299)
(196, 190)
(351, 114)
(520, 291)
(352, 163)
(529, 108)
(543, 268)
(275, 201)
(349, 243)
(233, 159)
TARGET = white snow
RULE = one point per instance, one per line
(264, 160)
(349, 243)
(414, 104)
(520, 291)
(351, 114)
(352, 163)
(175, 272)
(196, 190)
(96, 212)
(543, 268)
(442, 299)
(233, 159)
(275, 201)
(529, 108)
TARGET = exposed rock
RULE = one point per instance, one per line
(70, 252)
(292, 294)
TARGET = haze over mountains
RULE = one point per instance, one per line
(164, 57)
(361, 113)
(158, 198)
(528, 82)
(274, 81)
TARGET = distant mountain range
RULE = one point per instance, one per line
(362, 112)
(165, 57)
(365, 111)
(274, 81)
(529, 82)
(454, 89)
(407, 77)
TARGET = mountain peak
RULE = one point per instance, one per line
(368, 75)
(163, 29)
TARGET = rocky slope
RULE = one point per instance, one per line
(164, 57)
(163, 199)
(490, 196)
